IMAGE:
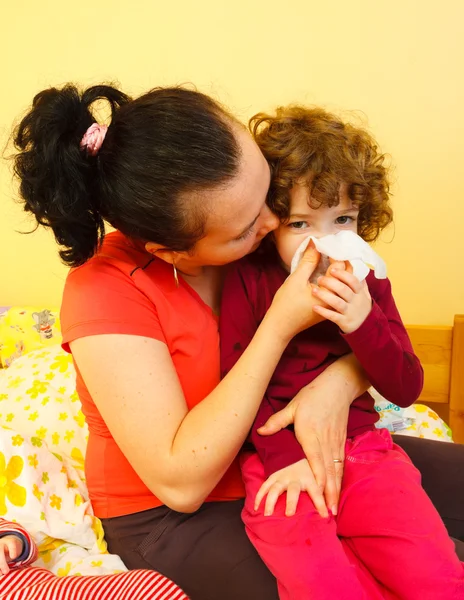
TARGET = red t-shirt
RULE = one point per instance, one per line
(123, 289)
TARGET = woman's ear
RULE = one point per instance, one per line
(160, 252)
(169, 256)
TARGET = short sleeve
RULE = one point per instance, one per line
(100, 298)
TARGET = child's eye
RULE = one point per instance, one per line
(298, 225)
(344, 220)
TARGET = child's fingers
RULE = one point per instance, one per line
(4, 568)
(335, 264)
(13, 550)
(330, 299)
(273, 495)
(330, 315)
(293, 495)
(342, 265)
(316, 495)
(349, 279)
(263, 490)
(337, 287)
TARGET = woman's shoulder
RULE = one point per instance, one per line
(119, 261)
(117, 251)
(119, 290)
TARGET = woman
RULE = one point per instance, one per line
(185, 187)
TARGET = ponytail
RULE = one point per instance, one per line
(143, 175)
(59, 181)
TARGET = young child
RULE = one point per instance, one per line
(386, 539)
(18, 550)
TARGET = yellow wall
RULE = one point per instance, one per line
(398, 61)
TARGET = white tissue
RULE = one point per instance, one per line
(346, 246)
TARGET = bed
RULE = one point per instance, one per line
(43, 433)
(43, 439)
(441, 352)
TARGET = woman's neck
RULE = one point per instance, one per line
(208, 285)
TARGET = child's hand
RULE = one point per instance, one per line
(11, 546)
(348, 300)
(294, 479)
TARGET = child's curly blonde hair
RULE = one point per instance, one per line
(311, 144)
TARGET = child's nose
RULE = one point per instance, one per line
(319, 231)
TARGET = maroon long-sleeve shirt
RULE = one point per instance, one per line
(381, 344)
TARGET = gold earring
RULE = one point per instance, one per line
(176, 278)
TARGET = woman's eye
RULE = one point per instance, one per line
(344, 220)
(246, 235)
(298, 225)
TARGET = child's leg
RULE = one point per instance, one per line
(303, 551)
(391, 525)
(37, 584)
(23, 583)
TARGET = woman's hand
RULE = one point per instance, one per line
(292, 307)
(291, 310)
(320, 415)
(293, 479)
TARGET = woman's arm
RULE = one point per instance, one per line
(179, 454)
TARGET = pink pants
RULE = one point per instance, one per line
(387, 540)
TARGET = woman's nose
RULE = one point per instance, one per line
(269, 222)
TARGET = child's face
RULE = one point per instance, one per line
(318, 222)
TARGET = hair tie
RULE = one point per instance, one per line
(93, 139)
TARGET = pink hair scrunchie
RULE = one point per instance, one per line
(93, 139)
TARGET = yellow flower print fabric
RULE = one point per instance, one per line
(44, 492)
(43, 437)
(417, 420)
(38, 398)
(23, 329)
(9, 489)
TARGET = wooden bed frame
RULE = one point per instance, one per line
(441, 352)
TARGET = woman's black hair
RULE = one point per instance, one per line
(159, 149)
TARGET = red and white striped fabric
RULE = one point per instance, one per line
(32, 583)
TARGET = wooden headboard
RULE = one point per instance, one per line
(441, 352)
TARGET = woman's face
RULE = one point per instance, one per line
(238, 216)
